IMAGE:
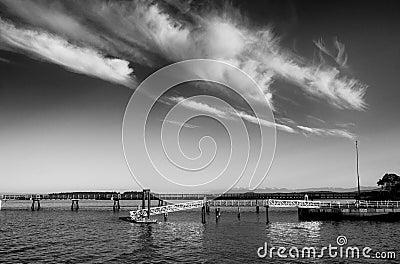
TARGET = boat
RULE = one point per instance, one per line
(138, 221)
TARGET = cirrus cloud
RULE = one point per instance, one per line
(59, 51)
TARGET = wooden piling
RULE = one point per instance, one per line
(238, 214)
(148, 204)
(116, 205)
(165, 217)
(144, 199)
(203, 214)
(74, 204)
(217, 214)
(266, 214)
(34, 200)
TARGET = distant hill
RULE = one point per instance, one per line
(317, 189)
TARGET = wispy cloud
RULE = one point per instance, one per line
(4, 60)
(81, 36)
(187, 125)
(340, 57)
(263, 122)
(199, 106)
(59, 51)
(283, 124)
(219, 34)
(326, 132)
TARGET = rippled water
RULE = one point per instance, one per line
(94, 234)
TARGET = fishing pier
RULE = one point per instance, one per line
(311, 205)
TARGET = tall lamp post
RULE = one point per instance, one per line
(358, 175)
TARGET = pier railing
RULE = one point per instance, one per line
(379, 204)
(267, 203)
(141, 213)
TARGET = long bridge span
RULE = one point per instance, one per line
(138, 195)
(168, 203)
(172, 198)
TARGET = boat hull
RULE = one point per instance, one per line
(143, 221)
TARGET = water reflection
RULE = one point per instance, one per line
(295, 233)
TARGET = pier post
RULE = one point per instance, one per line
(266, 214)
(116, 205)
(1, 201)
(165, 217)
(207, 208)
(203, 214)
(257, 207)
(34, 200)
(74, 204)
(217, 214)
(238, 214)
(144, 199)
(148, 204)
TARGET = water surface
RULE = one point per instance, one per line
(94, 234)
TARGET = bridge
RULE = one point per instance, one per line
(205, 201)
(138, 195)
(170, 197)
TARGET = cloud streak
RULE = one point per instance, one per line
(81, 36)
(326, 132)
(151, 30)
(59, 51)
(283, 124)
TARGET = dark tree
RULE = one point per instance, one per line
(390, 183)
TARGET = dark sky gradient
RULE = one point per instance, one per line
(61, 130)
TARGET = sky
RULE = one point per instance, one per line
(326, 71)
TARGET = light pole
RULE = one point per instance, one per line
(358, 175)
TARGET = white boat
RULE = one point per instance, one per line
(139, 221)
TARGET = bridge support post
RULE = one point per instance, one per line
(238, 214)
(1, 201)
(207, 208)
(266, 214)
(165, 217)
(74, 204)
